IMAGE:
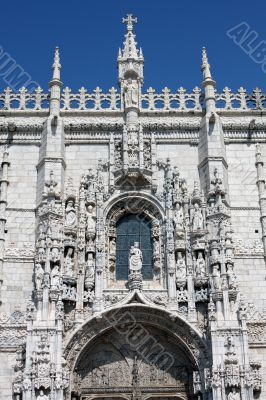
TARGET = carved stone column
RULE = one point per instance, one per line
(3, 203)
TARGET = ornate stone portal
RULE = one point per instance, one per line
(125, 259)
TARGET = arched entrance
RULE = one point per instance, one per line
(135, 352)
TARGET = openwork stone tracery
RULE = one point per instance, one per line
(107, 301)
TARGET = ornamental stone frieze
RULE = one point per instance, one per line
(132, 253)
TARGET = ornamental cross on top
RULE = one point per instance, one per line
(129, 20)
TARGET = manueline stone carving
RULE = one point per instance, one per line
(135, 259)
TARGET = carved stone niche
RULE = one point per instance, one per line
(134, 203)
(200, 269)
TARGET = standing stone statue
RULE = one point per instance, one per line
(38, 276)
(90, 271)
(71, 218)
(135, 259)
(91, 224)
(181, 270)
(55, 278)
(42, 396)
(131, 94)
(216, 278)
(179, 217)
(68, 262)
(233, 395)
(112, 247)
(231, 276)
(200, 265)
(197, 218)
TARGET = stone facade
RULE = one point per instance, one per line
(188, 165)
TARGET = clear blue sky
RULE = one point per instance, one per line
(171, 33)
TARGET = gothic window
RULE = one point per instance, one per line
(133, 228)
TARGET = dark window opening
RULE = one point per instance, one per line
(130, 229)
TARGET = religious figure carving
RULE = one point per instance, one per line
(68, 262)
(90, 271)
(234, 395)
(112, 247)
(181, 270)
(91, 224)
(42, 396)
(55, 278)
(135, 259)
(90, 180)
(200, 265)
(38, 276)
(71, 218)
(179, 217)
(131, 93)
(197, 218)
(156, 247)
(216, 278)
(231, 276)
(55, 254)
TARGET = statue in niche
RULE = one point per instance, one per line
(55, 278)
(68, 262)
(234, 395)
(216, 278)
(90, 180)
(197, 218)
(90, 272)
(156, 247)
(42, 396)
(55, 254)
(38, 276)
(179, 217)
(176, 179)
(112, 247)
(200, 265)
(157, 270)
(71, 218)
(231, 276)
(91, 224)
(131, 93)
(181, 269)
(135, 259)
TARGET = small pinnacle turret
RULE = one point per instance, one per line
(205, 67)
(55, 85)
(208, 83)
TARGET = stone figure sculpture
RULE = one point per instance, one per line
(216, 278)
(131, 95)
(68, 262)
(38, 276)
(135, 259)
(200, 265)
(71, 218)
(233, 395)
(197, 218)
(181, 270)
(178, 217)
(55, 278)
(90, 272)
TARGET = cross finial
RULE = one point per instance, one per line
(129, 20)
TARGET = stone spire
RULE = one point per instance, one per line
(208, 83)
(130, 50)
(55, 85)
(205, 67)
(130, 59)
(211, 140)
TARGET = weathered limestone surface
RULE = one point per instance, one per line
(99, 191)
